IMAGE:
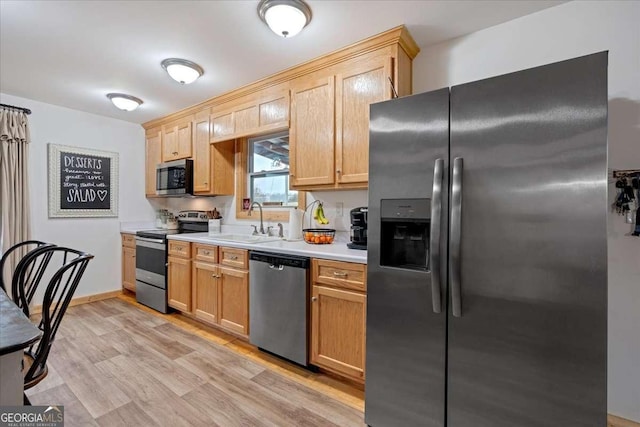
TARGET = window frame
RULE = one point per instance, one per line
(279, 213)
(263, 174)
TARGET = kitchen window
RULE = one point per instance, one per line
(268, 171)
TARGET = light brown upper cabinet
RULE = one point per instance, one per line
(323, 102)
(362, 84)
(258, 113)
(213, 164)
(153, 156)
(201, 155)
(330, 123)
(176, 139)
(311, 135)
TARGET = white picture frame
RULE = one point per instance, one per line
(83, 182)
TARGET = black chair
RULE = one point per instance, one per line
(57, 297)
(17, 249)
(28, 274)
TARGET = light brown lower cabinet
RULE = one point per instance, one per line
(234, 299)
(128, 261)
(205, 291)
(211, 292)
(179, 278)
(129, 268)
(338, 319)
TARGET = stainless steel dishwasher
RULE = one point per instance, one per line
(278, 304)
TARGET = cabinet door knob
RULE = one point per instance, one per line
(314, 299)
(338, 171)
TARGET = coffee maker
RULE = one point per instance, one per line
(358, 228)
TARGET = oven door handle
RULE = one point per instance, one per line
(147, 239)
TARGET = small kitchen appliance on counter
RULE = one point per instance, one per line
(359, 228)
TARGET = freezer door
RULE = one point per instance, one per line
(406, 322)
(527, 339)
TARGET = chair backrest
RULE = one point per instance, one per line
(28, 274)
(17, 250)
(57, 297)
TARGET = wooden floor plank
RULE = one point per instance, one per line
(155, 399)
(96, 392)
(199, 363)
(75, 414)
(126, 416)
(312, 400)
(220, 407)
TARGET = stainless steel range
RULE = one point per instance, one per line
(151, 263)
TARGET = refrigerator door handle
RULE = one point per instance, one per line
(434, 252)
(454, 241)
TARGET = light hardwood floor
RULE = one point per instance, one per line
(115, 362)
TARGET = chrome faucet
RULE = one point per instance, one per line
(249, 213)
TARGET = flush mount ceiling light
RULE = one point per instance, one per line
(181, 70)
(124, 102)
(286, 18)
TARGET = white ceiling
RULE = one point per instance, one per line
(72, 53)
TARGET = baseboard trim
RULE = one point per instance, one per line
(613, 421)
(83, 300)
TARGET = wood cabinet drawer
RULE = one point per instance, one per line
(180, 249)
(340, 274)
(233, 257)
(128, 240)
(207, 253)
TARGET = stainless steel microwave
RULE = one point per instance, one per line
(174, 178)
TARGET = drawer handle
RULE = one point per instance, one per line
(206, 252)
(340, 274)
(175, 153)
(233, 257)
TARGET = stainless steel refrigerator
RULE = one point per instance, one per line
(487, 258)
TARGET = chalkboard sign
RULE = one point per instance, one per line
(82, 182)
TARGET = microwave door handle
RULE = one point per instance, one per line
(434, 252)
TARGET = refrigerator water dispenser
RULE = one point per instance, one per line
(404, 233)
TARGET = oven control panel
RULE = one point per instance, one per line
(193, 216)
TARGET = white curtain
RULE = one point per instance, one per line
(15, 224)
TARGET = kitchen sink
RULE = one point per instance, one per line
(244, 238)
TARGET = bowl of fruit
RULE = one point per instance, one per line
(319, 236)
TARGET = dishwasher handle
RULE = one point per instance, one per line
(276, 267)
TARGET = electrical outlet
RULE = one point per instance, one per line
(339, 209)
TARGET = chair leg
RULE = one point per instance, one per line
(25, 400)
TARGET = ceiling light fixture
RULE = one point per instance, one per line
(286, 18)
(181, 70)
(124, 102)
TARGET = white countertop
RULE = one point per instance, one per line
(131, 227)
(337, 251)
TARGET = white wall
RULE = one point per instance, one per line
(555, 34)
(98, 236)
